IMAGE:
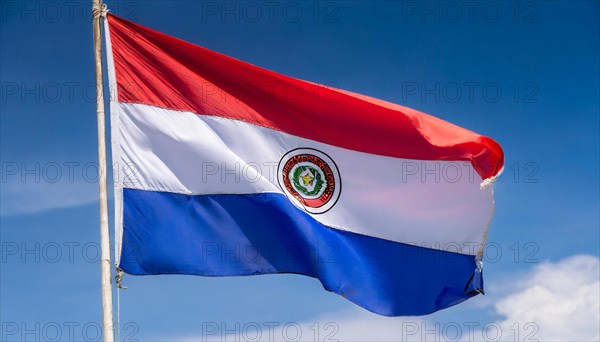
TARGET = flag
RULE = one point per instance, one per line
(228, 169)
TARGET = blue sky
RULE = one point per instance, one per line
(525, 74)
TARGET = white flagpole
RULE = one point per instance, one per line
(105, 264)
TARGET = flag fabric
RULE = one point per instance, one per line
(228, 169)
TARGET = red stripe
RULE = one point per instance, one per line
(156, 69)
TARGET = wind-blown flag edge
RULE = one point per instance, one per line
(363, 269)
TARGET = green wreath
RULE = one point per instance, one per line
(298, 186)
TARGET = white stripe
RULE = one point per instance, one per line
(436, 204)
(115, 142)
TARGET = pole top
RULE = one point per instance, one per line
(99, 9)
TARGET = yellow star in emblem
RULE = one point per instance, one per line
(307, 178)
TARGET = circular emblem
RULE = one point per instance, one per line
(310, 179)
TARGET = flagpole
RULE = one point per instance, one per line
(105, 264)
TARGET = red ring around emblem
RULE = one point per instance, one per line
(330, 180)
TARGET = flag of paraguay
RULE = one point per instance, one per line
(228, 169)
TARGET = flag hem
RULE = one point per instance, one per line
(115, 145)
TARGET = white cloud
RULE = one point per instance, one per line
(31, 197)
(554, 301)
(561, 299)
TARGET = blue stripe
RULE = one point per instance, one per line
(231, 235)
